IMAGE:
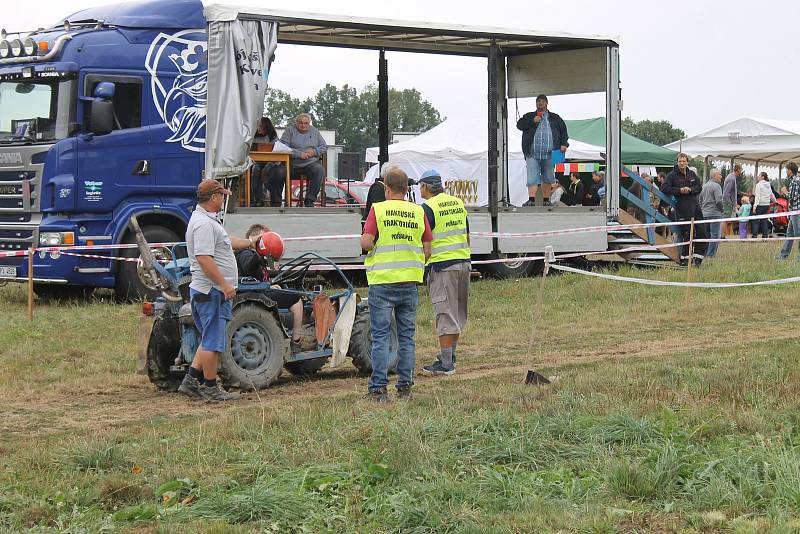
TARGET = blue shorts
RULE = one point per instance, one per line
(211, 314)
(540, 170)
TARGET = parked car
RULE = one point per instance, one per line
(336, 193)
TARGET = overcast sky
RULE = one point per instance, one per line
(696, 63)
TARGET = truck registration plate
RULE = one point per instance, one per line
(8, 272)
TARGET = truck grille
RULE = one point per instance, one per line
(13, 197)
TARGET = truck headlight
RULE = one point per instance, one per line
(5, 49)
(55, 239)
(16, 47)
(29, 46)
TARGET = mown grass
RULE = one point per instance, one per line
(660, 420)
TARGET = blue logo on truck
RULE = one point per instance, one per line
(181, 99)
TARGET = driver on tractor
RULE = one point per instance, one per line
(255, 265)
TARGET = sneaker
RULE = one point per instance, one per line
(296, 346)
(546, 203)
(404, 393)
(530, 203)
(217, 394)
(379, 395)
(438, 369)
(308, 203)
(190, 386)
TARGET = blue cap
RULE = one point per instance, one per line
(431, 177)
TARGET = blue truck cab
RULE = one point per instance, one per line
(101, 116)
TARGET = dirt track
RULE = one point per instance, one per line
(134, 400)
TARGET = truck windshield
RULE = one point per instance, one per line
(29, 111)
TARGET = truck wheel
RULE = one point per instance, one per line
(162, 349)
(515, 269)
(131, 284)
(306, 368)
(59, 292)
(254, 357)
(361, 344)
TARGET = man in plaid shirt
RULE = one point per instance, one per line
(793, 228)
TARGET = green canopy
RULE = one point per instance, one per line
(634, 150)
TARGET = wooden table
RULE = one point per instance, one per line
(280, 157)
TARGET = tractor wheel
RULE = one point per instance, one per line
(361, 344)
(306, 368)
(162, 349)
(132, 283)
(254, 357)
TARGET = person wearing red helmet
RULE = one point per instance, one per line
(254, 263)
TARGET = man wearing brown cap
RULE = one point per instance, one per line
(730, 196)
(213, 286)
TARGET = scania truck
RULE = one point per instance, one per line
(103, 116)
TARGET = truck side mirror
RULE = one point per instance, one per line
(101, 111)
(101, 117)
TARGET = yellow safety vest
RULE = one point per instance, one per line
(450, 229)
(397, 255)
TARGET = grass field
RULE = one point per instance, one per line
(661, 419)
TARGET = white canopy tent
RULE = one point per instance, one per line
(457, 148)
(768, 141)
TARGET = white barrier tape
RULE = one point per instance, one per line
(705, 285)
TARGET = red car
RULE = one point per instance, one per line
(336, 193)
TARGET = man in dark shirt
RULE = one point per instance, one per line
(575, 191)
(252, 264)
(593, 195)
(685, 186)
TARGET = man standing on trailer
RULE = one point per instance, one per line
(449, 268)
(398, 240)
(538, 144)
(211, 292)
(307, 146)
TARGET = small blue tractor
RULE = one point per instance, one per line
(335, 326)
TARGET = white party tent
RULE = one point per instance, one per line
(457, 149)
(748, 139)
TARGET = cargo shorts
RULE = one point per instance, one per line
(211, 313)
(449, 291)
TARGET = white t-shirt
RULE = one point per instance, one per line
(555, 195)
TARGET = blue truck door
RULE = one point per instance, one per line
(115, 167)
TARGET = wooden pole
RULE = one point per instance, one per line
(689, 266)
(30, 283)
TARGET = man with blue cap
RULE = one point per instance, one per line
(448, 268)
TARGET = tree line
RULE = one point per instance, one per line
(353, 114)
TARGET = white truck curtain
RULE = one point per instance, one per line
(240, 53)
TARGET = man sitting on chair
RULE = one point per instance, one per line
(307, 146)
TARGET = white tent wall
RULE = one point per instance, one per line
(457, 149)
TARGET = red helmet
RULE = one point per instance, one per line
(270, 244)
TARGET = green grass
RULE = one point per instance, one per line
(661, 419)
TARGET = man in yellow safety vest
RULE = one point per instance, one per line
(449, 268)
(398, 240)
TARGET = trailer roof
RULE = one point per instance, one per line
(374, 33)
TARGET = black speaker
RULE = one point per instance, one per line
(347, 167)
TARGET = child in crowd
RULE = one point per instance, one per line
(744, 211)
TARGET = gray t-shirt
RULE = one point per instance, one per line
(711, 200)
(205, 236)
